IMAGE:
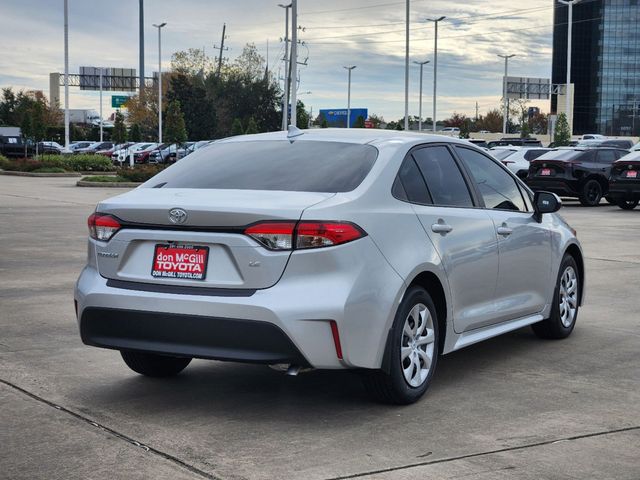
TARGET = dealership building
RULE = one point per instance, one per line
(605, 65)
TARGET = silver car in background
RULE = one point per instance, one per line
(333, 249)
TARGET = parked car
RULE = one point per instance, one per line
(624, 183)
(517, 159)
(74, 146)
(122, 155)
(50, 148)
(12, 146)
(610, 142)
(94, 147)
(110, 151)
(636, 147)
(327, 248)
(515, 142)
(592, 136)
(142, 155)
(450, 130)
(577, 172)
(168, 154)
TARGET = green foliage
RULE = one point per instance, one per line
(135, 135)
(49, 170)
(324, 123)
(139, 173)
(236, 128)
(562, 135)
(119, 132)
(252, 127)
(174, 128)
(376, 120)
(104, 179)
(302, 120)
(465, 128)
(77, 163)
(359, 123)
(4, 161)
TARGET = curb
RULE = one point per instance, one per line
(36, 174)
(85, 183)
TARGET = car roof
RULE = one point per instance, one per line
(363, 136)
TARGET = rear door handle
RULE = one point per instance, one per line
(441, 227)
(504, 230)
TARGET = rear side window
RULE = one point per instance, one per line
(607, 156)
(444, 180)
(301, 166)
(409, 184)
(498, 189)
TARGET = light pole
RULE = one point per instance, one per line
(287, 73)
(349, 68)
(294, 62)
(159, 27)
(66, 75)
(422, 64)
(505, 105)
(101, 70)
(567, 94)
(435, 67)
(406, 68)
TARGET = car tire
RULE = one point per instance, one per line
(566, 303)
(404, 380)
(153, 365)
(591, 193)
(627, 204)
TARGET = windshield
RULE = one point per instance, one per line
(301, 166)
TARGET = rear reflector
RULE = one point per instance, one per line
(336, 338)
(288, 236)
(102, 227)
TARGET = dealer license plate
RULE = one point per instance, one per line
(187, 262)
(545, 171)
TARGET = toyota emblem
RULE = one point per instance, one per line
(177, 216)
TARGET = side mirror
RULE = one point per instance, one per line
(545, 202)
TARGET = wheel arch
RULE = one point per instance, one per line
(434, 287)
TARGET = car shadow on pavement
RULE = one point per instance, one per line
(223, 389)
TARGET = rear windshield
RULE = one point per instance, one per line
(301, 166)
(564, 155)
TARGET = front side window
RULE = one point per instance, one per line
(499, 190)
(445, 182)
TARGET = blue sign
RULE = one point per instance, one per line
(338, 117)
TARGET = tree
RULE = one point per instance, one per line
(302, 119)
(539, 123)
(192, 62)
(135, 135)
(324, 123)
(251, 127)
(236, 128)
(359, 123)
(119, 133)
(562, 135)
(174, 129)
(376, 120)
(491, 122)
(456, 120)
(465, 128)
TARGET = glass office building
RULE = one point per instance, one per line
(605, 64)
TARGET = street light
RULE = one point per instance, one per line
(505, 115)
(567, 94)
(349, 68)
(406, 68)
(66, 75)
(287, 73)
(422, 64)
(159, 27)
(435, 67)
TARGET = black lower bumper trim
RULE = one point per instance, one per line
(189, 336)
(181, 289)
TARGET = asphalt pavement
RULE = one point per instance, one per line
(511, 407)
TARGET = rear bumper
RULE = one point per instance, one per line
(289, 322)
(624, 190)
(188, 335)
(559, 186)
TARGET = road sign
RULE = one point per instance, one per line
(528, 88)
(338, 117)
(113, 79)
(118, 101)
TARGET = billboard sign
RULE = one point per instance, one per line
(338, 117)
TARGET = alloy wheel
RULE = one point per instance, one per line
(417, 345)
(568, 297)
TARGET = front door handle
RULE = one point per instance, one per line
(441, 227)
(504, 230)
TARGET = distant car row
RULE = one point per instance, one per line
(584, 172)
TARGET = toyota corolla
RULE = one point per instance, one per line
(332, 249)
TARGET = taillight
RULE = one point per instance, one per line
(273, 235)
(102, 227)
(289, 236)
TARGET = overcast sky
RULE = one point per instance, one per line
(366, 33)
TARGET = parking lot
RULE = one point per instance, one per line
(512, 407)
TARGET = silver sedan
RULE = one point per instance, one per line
(358, 249)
